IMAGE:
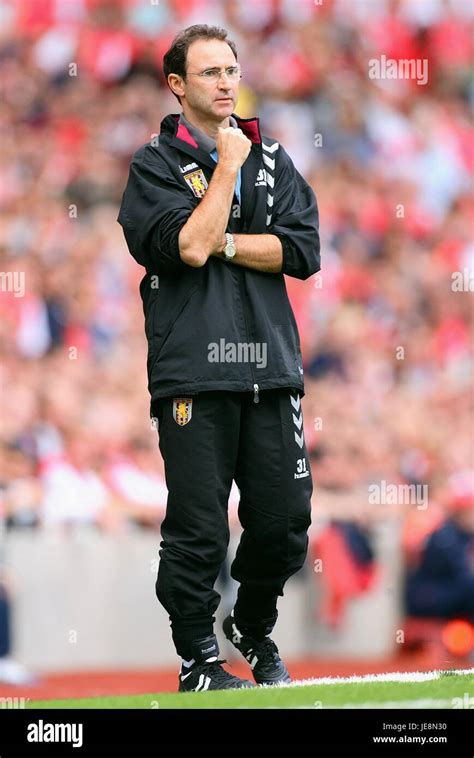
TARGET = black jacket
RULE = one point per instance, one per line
(442, 584)
(188, 309)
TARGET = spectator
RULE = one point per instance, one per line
(442, 584)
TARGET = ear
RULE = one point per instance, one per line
(175, 83)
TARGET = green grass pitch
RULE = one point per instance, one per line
(437, 689)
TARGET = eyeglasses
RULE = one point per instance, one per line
(214, 74)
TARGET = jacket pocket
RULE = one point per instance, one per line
(159, 341)
(289, 348)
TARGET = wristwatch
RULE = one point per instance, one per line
(229, 250)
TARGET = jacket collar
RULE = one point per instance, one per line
(203, 140)
(182, 138)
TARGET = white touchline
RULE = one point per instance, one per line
(396, 676)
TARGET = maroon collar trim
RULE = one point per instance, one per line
(185, 135)
(250, 127)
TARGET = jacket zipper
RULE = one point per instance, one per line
(255, 385)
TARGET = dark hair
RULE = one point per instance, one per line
(174, 60)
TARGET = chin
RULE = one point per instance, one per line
(224, 108)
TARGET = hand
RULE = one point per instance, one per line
(232, 147)
(221, 247)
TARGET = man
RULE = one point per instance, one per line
(441, 583)
(217, 214)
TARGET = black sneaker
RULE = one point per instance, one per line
(208, 674)
(265, 662)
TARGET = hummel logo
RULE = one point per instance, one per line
(261, 178)
(183, 169)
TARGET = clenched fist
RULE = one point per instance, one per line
(232, 147)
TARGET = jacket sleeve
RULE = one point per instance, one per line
(295, 220)
(155, 205)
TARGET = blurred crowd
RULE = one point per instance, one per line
(386, 334)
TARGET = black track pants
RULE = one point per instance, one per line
(261, 446)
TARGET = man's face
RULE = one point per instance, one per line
(211, 99)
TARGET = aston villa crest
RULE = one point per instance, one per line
(197, 181)
(182, 410)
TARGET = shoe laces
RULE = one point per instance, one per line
(215, 670)
(266, 651)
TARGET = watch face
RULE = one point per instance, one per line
(229, 250)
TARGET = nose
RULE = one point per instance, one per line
(224, 88)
